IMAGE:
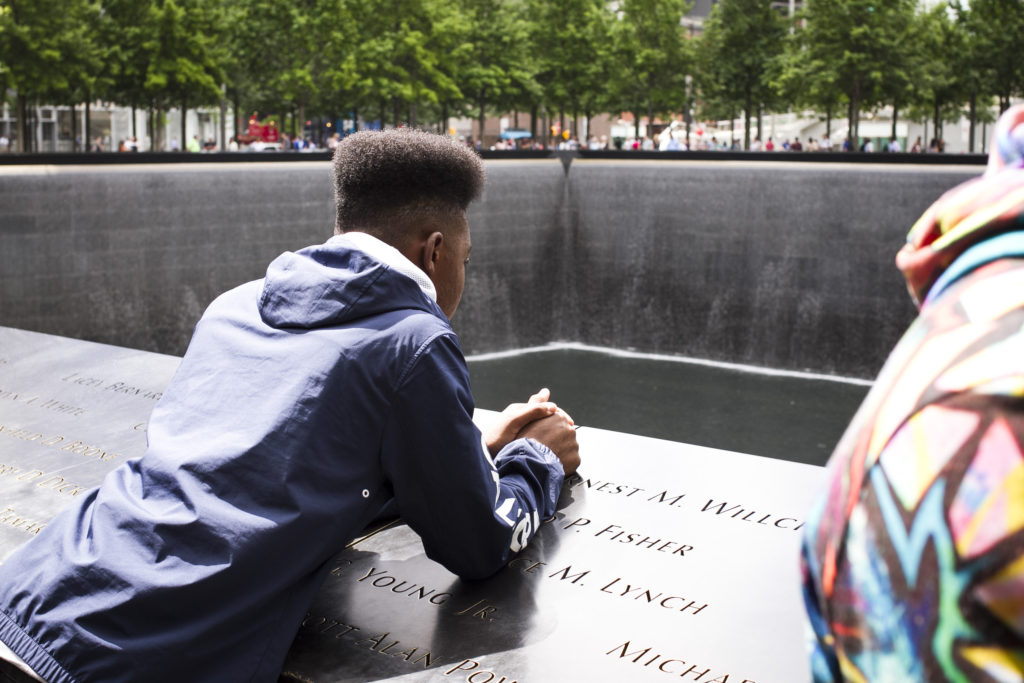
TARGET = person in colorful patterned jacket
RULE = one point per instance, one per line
(913, 561)
(308, 404)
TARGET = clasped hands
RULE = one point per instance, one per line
(537, 419)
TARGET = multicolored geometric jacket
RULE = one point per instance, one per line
(913, 560)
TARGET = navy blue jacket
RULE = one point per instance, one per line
(305, 403)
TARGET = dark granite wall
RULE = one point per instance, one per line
(133, 255)
(784, 265)
(775, 264)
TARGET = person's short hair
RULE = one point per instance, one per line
(382, 179)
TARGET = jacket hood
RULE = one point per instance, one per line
(334, 283)
(970, 213)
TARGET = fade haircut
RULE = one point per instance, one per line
(387, 181)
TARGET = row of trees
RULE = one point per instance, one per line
(423, 61)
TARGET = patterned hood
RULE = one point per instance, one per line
(969, 213)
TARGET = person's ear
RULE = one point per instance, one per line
(431, 252)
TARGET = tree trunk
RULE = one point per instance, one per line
(481, 103)
(184, 130)
(937, 124)
(895, 115)
(828, 122)
(760, 115)
(159, 131)
(650, 118)
(533, 122)
(223, 143)
(74, 127)
(37, 134)
(974, 118)
(88, 125)
(747, 106)
(25, 135)
(135, 133)
(852, 116)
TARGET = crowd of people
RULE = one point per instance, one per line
(669, 141)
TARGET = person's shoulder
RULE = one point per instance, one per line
(420, 325)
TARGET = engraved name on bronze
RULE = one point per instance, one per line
(379, 643)
(384, 579)
(40, 479)
(629, 538)
(675, 499)
(10, 517)
(616, 586)
(651, 660)
(59, 442)
(115, 386)
(55, 405)
(470, 668)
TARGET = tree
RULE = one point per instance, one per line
(492, 64)
(860, 42)
(574, 55)
(49, 52)
(125, 33)
(336, 40)
(182, 66)
(396, 61)
(995, 28)
(741, 40)
(944, 83)
(653, 57)
(912, 58)
(805, 81)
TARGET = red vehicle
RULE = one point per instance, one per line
(260, 136)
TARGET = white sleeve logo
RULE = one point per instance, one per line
(523, 532)
(505, 509)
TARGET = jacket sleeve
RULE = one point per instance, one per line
(820, 644)
(472, 514)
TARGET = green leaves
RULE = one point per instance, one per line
(436, 58)
(739, 52)
(48, 48)
(652, 56)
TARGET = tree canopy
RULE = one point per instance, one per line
(423, 61)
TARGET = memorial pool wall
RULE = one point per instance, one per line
(767, 263)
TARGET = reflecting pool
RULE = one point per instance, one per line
(791, 416)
